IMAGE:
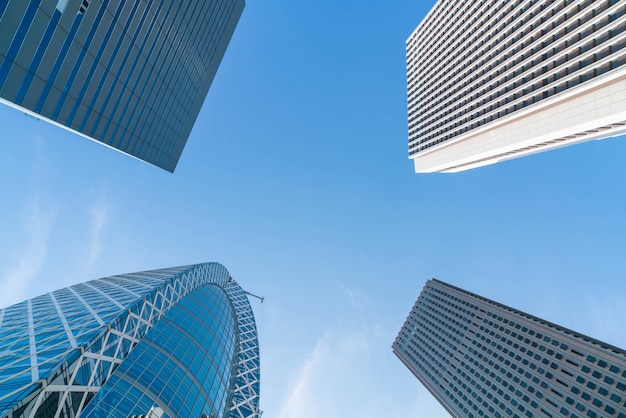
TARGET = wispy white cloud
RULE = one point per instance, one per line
(301, 396)
(29, 261)
(354, 298)
(351, 372)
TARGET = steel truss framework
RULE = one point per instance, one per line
(120, 310)
(245, 394)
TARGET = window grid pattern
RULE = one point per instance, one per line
(502, 57)
(480, 358)
(182, 366)
(130, 74)
(60, 348)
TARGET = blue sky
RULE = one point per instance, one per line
(296, 178)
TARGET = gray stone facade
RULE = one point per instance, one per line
(480, 358)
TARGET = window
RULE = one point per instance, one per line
(83, 6)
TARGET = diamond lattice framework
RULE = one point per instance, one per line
(77, 336)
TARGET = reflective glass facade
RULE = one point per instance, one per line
(480, 358)
(167, 342)
(130, 74)
(183, 365)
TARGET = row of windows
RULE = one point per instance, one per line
(445, 334)
(423, 335)
(469, 50)
(450, 321)
(458, 52)
(112, 71)
(552, 68)
(417, 360)
(459, 301)
(540, 77)
(535, 366)
(433, 36)
(446, 299)
(480, 414)
(605, 364)
(453, 312)
(519, 99)
(428, 337)
(514, 42)
(491, 107)
(567, 333)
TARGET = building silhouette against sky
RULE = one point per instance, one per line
(130, 74)
(177, 342)
(480, 358)
(493, 80)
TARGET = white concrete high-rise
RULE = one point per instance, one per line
(493, 80)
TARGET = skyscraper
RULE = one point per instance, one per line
(480, 358)
(130, 74)
(493, 80)
(177, 342)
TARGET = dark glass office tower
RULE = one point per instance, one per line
(480, 358)
(130, 74)
(169, 343)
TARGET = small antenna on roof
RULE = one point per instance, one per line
(261, 298)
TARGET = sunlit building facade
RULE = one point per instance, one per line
(178, 342)
(494, 80)
(130, 74)
(480, 358)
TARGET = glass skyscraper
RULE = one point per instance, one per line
(131, 74)
(178, 342)
(491, 80)
(480, 358)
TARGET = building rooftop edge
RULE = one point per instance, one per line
(602, 344)
(419, 25)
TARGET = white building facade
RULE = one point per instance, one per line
(492, 80)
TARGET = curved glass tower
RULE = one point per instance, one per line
(177, 342)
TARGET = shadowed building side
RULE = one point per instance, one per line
(131, 75)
